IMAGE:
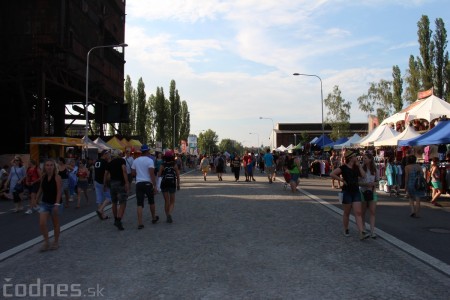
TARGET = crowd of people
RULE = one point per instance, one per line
(57, 183)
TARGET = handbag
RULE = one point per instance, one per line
(18, 188)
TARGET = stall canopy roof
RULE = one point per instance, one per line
(339, 141)
(323, 140)
(428, 109)
(408, 133)
(440, 134)
(380, 133)
(116, 143)
(102, 144)
(352, 140)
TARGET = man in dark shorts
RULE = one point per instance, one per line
(116, 172)
(143, 169)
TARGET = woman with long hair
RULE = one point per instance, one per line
(351, 171)
(50, 189)
(32, 183)
(436, 184)
(204, 166)
(367, 187)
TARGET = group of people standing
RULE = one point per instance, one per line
(359, 181)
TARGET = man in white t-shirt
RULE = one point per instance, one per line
(143, 169)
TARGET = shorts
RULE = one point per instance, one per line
(34, 188)
(45, 207)
(118, 192)
(82, 184)
(351, 197)
(170, 190)
(100, 194)
(436, 185)
(294, 177)
(249, 170)
(369, 196)
(65, 184)
(219, 169)
(269, 170)
(143, 189)
(205, 169)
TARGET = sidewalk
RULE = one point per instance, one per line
(228, 241)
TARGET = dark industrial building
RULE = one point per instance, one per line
(43, 61)
(290, 133)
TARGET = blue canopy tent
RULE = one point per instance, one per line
(322, 141)
(339, 141)
(440, 134)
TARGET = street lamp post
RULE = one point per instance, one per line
(321, 97)
(87, 89)
(295, 139)
(273, 128)
(258, 138)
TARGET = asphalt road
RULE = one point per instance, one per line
(233, 241)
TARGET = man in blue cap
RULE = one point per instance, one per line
(143, 169)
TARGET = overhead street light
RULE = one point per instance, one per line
(321, 97)
(123, 45)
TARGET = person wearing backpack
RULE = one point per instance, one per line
(170, 182)
(220, 165)
(414, 179)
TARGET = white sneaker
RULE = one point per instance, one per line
(29, 212)
(36, 208)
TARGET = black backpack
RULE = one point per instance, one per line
(420, 183)
(168, 178)
(220, 162)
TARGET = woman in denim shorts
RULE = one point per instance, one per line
(349, 174)
(50, 189)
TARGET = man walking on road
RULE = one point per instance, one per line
(102, 194)
(143, 169)
(269, 164)
(116, 173)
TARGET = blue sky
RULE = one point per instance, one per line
(233, 60)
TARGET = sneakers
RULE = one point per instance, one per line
(119, 225)
(169, 219)
(373, 235)
(29, 212)
(346, 232)
(363, 235)
(155, 220)
(36, 208)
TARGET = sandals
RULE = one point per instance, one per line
(44, 248)
(54, 246)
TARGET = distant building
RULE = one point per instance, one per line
(291, 133)
(43, 65)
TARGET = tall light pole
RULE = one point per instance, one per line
(295, 139)
(273, 129)
(258, 138)
(87, 88)
(321, 97)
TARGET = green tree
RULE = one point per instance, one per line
(447, 79)
(379, 98)
(161, 117)
(397, 86)
(207, 141)
(338, 115)
(127, 129)
(185, 125)
(426, 46)
(175, 112)
(141, 111)
(151, 120)
(440, 41)
(412, 80)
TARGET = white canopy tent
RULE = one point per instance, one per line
(281, 149)
(380, 133)
(428, 109)
(352, 140)
(407, 134)
(90, 143)
(102, 144)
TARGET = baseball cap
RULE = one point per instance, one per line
(144, 148)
